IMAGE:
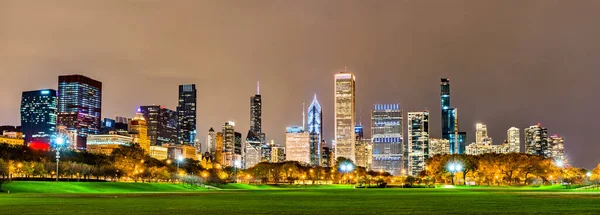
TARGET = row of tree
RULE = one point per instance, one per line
(509, 169)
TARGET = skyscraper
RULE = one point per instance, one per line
(480, 133)
(162, 124)
(186, 112)
(364, 149)
(344, 115)
(387, 136)
(79, 105)
(210, 141)
(252, 150)
(228, 143)
(139, 130)
(514, 140)
(256, 112)
(297, 143)
(556, 146)
(438, 147)
(536, 141)
(237, 143)
(219, 148)
(449, 118)
(315, 129)
(418, 141)
(38, 115)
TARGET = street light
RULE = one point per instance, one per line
(59, 141)
(346, 168)
(236, 164)
(179, 160)
(560, 164)
(454, 168)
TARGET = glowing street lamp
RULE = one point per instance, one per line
(236, 165)
(560, 164)
(179, 160)
(454, 168)
(58, 141)
(588, 174)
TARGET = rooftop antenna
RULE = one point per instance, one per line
(258, 88)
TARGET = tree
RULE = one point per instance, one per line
(410, 180)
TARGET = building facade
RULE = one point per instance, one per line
(106, 143)
(438, 147)
(315, 129)
(162, 124)
(210, 142)
(159, 152)
(186, 114)
(80, 106)
(418, 141)
(39, 115)
(556, 146)
(536, 141)
(387, 136)
(228, 142)
(344, 115)
(514, 140)
(138, 129)
(278, 154)
(297, 145)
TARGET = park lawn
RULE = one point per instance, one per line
(16, 187)
(311, 201)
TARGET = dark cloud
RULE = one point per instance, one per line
(511, 63)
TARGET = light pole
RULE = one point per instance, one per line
(236, 164)
(454, 168)
(179, 160)
(560, 164)
(345, 168)
(59, 141)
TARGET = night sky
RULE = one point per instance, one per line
(511, 63)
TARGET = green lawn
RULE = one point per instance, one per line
(250, 199)
(48, 187)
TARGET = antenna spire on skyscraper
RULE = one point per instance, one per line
(303, 117)
(258, 88)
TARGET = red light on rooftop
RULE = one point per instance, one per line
(36, 145)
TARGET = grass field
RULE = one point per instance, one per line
(248, 199)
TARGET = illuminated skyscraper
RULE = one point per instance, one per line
(186, 112)
(210, 141)
(514, 140)
(536, 141)
(228, 143)
(344, 115)
(79, 105)
(364, 149)
(449, 119)
(480, 133)
(297, 143)
(315, 129)
(556, 147)
(252, 150)
(387, 136)
(256, 112)
(438, 147)
(219, 156)
(418, 141)
(139, 131)
(38, 115)
(162, 124)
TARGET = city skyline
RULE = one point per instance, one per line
(512, 86)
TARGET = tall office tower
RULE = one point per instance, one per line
(121, 123)
(252, 150)
(480, 133)
(461, 142)
(38, 116)
(210, 141)
(162, 124)
(556, 147)
(237, 143)
(364, 149)
(387, 136)
(315, 129)
(186, 112)
(438, 147)
(256, 112)
(297, 143)
(79, 105)
(418, 141)
(344, 115)
(536, 140)
(219, 148)
(514, 140)
(449, 118)
(139, 130)
(229, 136)
(325, 153)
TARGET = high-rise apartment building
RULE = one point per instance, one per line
(186, 112)
(536, 141)
(80, 106)
(219, 148)
(387, 136)
(514, 140)
(556, 147)
(297, 145)
(210, 141)
(438, 147)
(418, 142)
(364, 149)
(278, 154)
(162, 124)
(344, 107)
(315, 129)
(38, 116)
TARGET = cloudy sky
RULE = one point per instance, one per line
(511, 63)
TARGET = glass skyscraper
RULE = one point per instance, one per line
(536, 141)
(162, 124)
(315, 129)
(186, 112)
(418, 142)
(79, 106)
(387, 136)
(38, 115)
(344, 115)
(449, 118)
(256, 112)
